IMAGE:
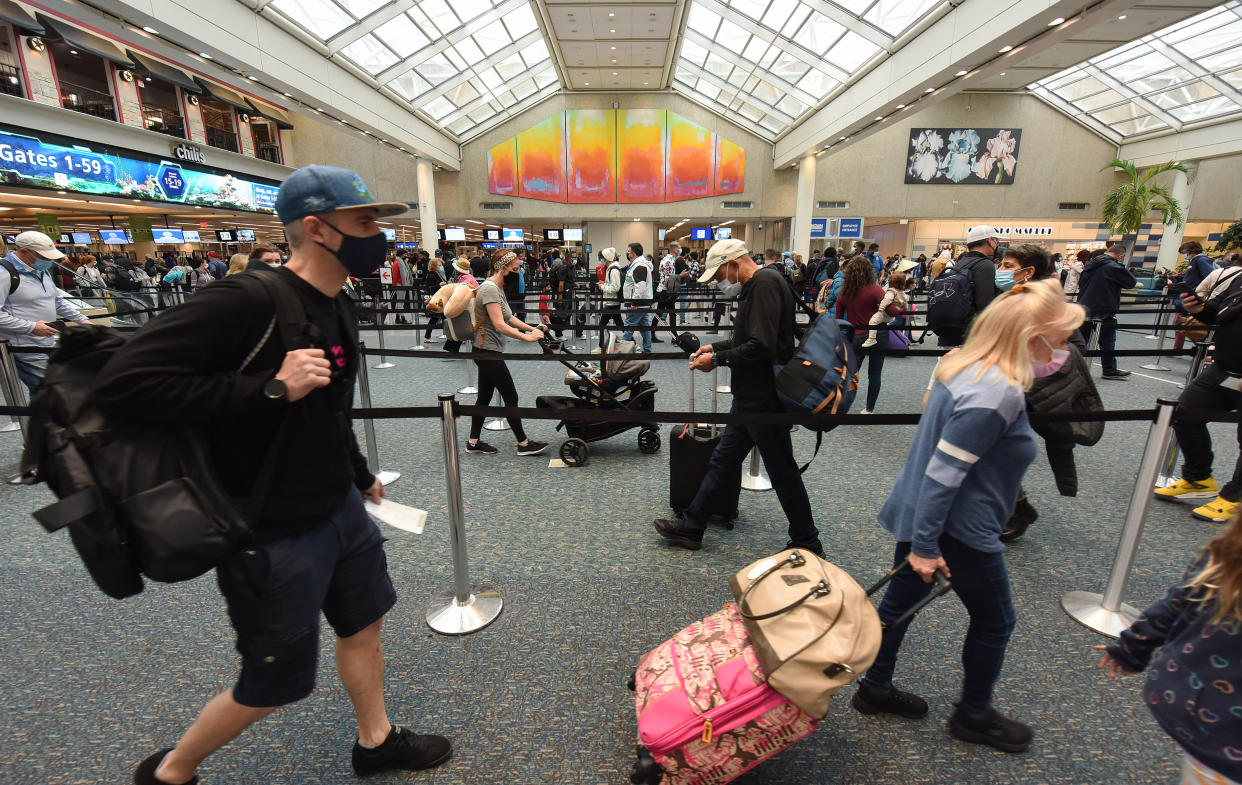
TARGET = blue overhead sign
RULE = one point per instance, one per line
(819, 228)
(850, 228)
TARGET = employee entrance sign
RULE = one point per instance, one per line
(850, 228)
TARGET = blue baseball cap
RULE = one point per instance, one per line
(321, 189)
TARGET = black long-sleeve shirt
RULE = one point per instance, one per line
(1225, 312)
(188, 366)
(763, 336)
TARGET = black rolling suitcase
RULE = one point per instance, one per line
(690, 448)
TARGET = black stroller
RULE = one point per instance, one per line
(612, 385)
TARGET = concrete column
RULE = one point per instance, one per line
(425, 182)
(1183, 191)
(805, 207)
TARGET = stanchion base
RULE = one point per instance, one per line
(472, 390)
(498, 424)
(724, 389)
(1154, 367)
(756, 482)
(10, 426)
(418, 348)
(447, 616)
(384, 366)
(1087, 608)
(387, 476)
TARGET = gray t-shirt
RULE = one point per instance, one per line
(488, 336)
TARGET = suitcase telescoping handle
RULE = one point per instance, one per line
(942, 588)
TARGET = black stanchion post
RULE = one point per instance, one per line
(464, 609)
(385, 476)
(1106, 614)
(1160, 322)
(418, 326)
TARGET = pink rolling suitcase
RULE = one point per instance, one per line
(706, 714)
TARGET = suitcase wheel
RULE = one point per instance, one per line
(723, 521)
(646, 770)
(648, 441)
(632, 684)
(574, 452)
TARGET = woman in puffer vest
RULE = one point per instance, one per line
(1069, 389)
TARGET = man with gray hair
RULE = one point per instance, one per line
(30, 304)
(763, 337)
(264, 404)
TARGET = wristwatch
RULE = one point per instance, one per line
(275, 389)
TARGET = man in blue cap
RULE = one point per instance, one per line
(217, 362)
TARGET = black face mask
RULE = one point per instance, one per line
(359, 255)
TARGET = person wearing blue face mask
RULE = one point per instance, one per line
(30, 303)
(763, 337)
(215, 362)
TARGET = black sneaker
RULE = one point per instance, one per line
(531, 447)
(480, 448)
(992, 729)
(817, 548)
(689, 539)
(1024, 514)
(903, 704)
(145, 773)
(1116, 375)
(403, 750)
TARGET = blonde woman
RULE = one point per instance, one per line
(954, 495)
(237, 264)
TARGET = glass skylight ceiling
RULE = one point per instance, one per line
(770, 62)
(466, 65)
(1178, 77)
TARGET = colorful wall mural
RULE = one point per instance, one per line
(625, 156)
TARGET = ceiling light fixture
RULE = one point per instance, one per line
(930, 90)
(1002, 73)
(879, 117)
(151, 30)
(612, 31)
(901, 106)
(204, 55)
(961, 72)
(1123, 16)
(1057, 21)
(1005, 48)
(287, 95)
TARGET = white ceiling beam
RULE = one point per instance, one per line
(969, 38)
(738, 61)
(439, 45)
(847, 20)
(500, 116)
(1204, 142)
(679, 36)
(465, 76)
(764, 108)
(368, 24)
(553, 43)
(787, 45)
(233, 33)
(1217, 84)
(1076, 114)
(1126, 92)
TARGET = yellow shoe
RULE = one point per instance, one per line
(1218, 510)
(1189, 489)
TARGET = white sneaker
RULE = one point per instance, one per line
(597, 350)
(868, 342)
(866, 411)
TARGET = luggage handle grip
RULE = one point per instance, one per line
(794, 559)
(943, 586)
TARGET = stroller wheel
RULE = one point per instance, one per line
(574, 452)
(648, 441)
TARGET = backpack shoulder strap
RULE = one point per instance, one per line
(14, 278)
(289, 319)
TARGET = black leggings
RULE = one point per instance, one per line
(494, 375)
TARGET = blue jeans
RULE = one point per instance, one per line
(635, 319)
(981, 582)
(776, 450)
(31, 367)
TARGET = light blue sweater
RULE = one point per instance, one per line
(965, 467)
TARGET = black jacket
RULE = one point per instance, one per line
(1100, 285)
(1224, 312)
(763, 336)
(189, 366)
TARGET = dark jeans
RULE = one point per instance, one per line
(981, 582)
(494, 375)
(609, 318)
(875, 364)
(1108, 340)
(777, 451)
(1205, 392)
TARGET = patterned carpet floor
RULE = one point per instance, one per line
(90, 686)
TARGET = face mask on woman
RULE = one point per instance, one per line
(1059, 357)
(1004, 280)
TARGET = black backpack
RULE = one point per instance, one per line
(138, 499)
(14, 278)
(950, 302)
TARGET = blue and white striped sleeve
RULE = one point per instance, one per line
(980, 417)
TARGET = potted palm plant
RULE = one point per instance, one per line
(1230, 238)
(1127, 206)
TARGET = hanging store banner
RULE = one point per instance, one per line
(66, 165)
(49, 224)
(819, 228)
(962, 156)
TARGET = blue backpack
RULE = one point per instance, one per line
(821, 377)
